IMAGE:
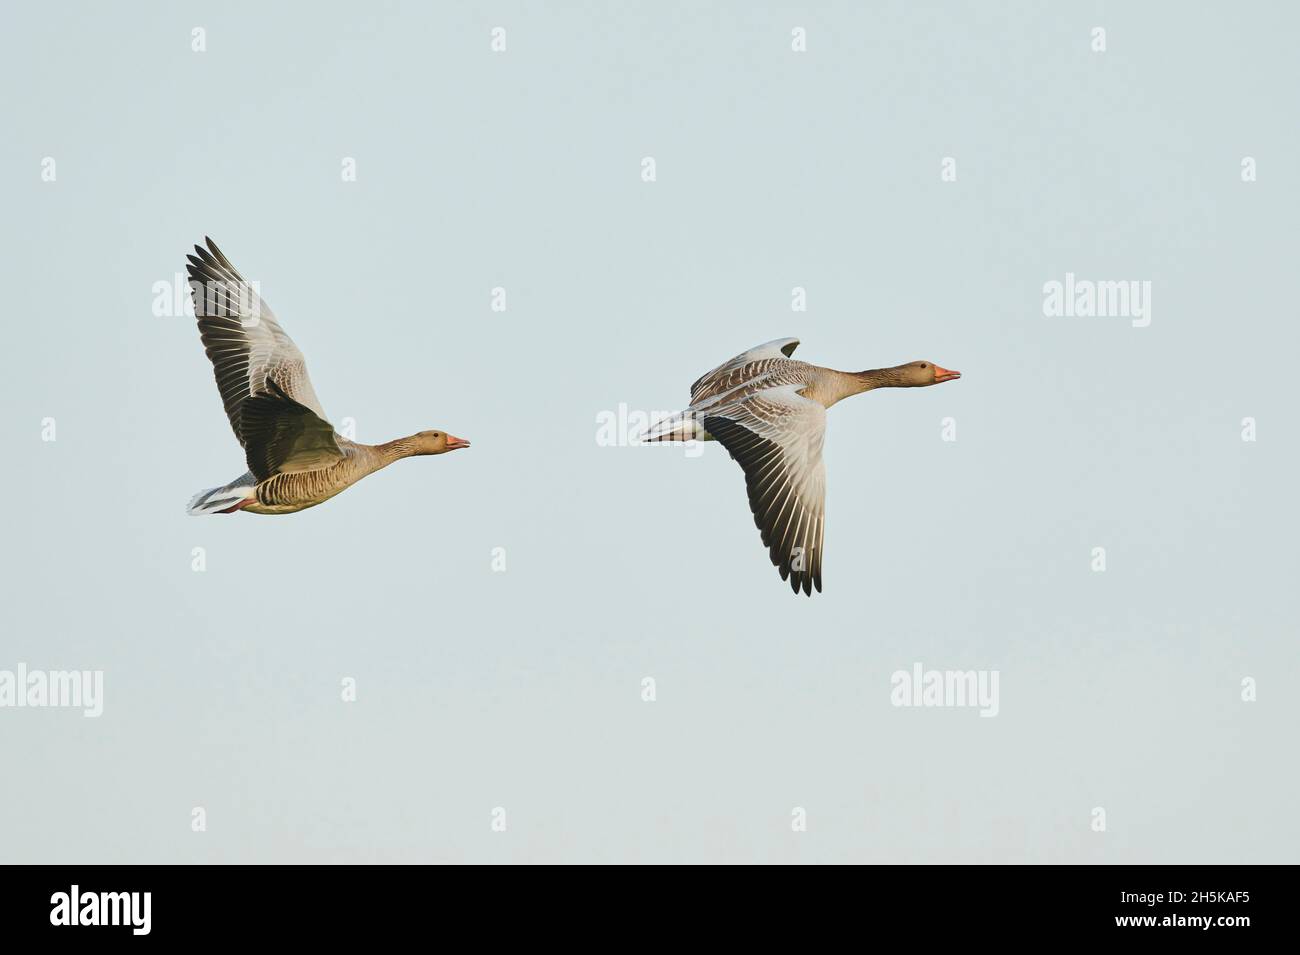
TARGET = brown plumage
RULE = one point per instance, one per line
(769, 412)
(295, 458)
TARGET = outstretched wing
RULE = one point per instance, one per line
(776, 436)
(746, 365)
(248, 349)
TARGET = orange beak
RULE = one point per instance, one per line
(454, 442)
(943, 374)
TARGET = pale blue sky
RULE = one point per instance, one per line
(775, 169)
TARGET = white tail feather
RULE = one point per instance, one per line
(214, 500)
(683, 426)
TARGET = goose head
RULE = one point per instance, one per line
(438, 442)
(920, 374)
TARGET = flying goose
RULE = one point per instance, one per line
(295, 458)
(769, 412)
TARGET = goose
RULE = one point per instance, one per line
(769, 412)
(295, 457)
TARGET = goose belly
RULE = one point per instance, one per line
(287, 493)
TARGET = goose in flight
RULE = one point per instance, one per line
(769, 412)
(295, 458)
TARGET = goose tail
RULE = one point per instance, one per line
(221, 500)
(683, 426)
